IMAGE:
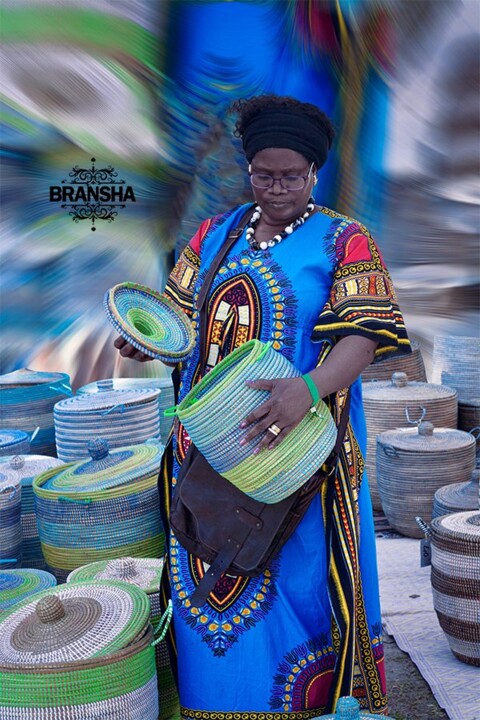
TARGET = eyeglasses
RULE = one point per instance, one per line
(287, 182)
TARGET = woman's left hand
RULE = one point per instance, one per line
(288, 403)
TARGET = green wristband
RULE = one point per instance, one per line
(312, 387)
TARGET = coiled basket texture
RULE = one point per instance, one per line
(79, 652)
(122, 417)
(456, 363)
(412, 464)
(145, 573)
(100, 509)
(163, 384)
(27, 398)
(17, 584)
(26, 468)
(399, 403)
(456, 581)
(13, 441)
(412, 365)
(10, 519)
(457, 497)
(213, 410)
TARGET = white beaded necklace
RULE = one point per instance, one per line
(265, 244)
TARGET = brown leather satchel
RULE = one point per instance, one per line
(216, 521)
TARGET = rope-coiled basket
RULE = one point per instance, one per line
(27, 400)
(411, 364)
(102, 509)
(412, 464)
(163, 384)
(122, 417)
(10, 519)
(401, 403)
(79, 652)
(214, 408)
(456, 363)
(13, 442)
(16, 585)
(26, 468)
(150, 322)
(456, 581)
(457, 497)
(145, 573)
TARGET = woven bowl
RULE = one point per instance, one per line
(213, 410)
(149, 321)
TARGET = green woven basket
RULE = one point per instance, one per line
(213, 410)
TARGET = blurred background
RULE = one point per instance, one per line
(144, 86)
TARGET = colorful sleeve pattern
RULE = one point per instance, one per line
(362, 298)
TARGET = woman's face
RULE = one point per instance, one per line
(279, 205)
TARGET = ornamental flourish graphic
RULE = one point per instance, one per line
(92, 194)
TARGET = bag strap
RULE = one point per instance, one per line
(201, 303)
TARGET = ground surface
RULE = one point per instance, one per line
(410, 697)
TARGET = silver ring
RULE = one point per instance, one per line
(274, 429)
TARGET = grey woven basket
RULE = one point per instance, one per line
(411, 364)
(412, 464)
(456, 362)
(455, 581)
(457, 497)
(401, 403)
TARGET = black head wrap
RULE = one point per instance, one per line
(284, 127)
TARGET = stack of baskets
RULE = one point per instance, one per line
(122, 417)
(16, 585)
(400, 403)
(455, 581)
(13, 441)
(78, 652)
(26, 468)
(163, 384)
(412, 365)
(10, 519)
(146, 574)
(104, 508)
(27, 398)
(412, 464)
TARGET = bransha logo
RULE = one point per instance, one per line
(92, 194)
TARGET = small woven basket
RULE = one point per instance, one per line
(457, 497)
(13, 442)
(213, 410)
(149, 321)
(348, 708)
(146, 574)
(456, 363)
(78, 652)
(411, 364)
(455, 581)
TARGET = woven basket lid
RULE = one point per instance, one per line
(9, 479)
(459, 526)
(25, 376)
(400, 388)
(105, 469)
(149, 321)
(427, 438)
(460, 496)
(12, 437)
(16, 585)
(105, 401)
(29, 466)
(124, 383)
(145, 573)
(73, 622)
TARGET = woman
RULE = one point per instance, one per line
(313, 282)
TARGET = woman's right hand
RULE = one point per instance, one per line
(128, 351)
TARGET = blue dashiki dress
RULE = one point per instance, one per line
(287, 644)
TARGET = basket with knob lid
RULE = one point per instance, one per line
(101, 508)
(412, 463)
(79, 652)
(400, 403)
(457, 497)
